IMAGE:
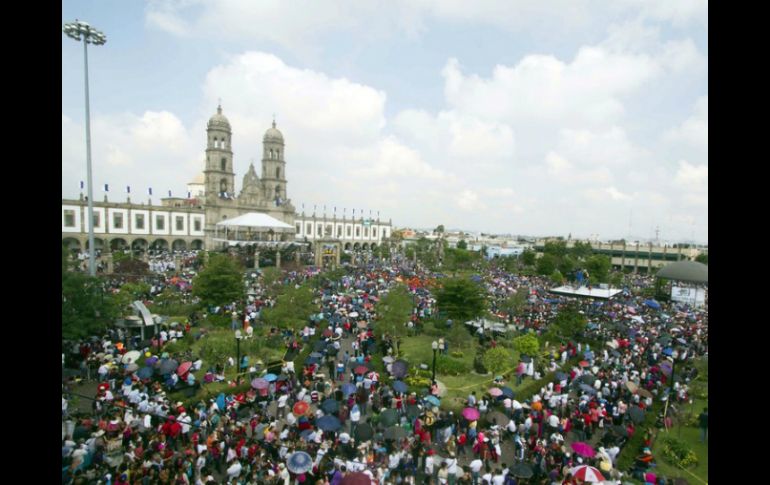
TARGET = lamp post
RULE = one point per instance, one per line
(81, 31)
(238, 338)
(435, 348)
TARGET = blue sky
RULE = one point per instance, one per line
(525, 117)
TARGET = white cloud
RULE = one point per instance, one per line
(694, 132)
(693, 178)
(469, 201)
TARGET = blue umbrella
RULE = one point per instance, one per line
(433, 400)
(330, 406)
(305, 435)
(145, 373)
(311, 360)
(587, 388)
(652, 304)
(399, 386)
(270, 377)
(399, 368)
(348, 389)
(560, 376)
(316, 355)
(328, 423)
(299, 462)
(508, 392)
(221, 401)
(668, 351)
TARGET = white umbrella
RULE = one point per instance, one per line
(353, 314)
(131, 357)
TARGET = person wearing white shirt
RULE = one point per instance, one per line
(234, 470)
(451, 464)
(476, 466)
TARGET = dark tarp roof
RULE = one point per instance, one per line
(686, 271)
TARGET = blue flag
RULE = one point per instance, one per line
(128, 189)
(106, 187)
(149, 190)
(81, 185)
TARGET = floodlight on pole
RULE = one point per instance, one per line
(82, 31)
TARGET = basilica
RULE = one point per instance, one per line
(202, 220)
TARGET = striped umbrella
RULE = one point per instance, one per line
(587, 474)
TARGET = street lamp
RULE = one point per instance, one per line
(238, 337)
(435, 348)
(80, 30)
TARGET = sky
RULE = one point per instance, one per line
(586, 118)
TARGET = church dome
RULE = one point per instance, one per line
(272, 134)
(219, 120)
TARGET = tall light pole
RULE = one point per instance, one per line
(435, 348)
(238, 337)
(81, 31)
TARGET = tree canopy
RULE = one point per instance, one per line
(461, 299)
(292, 309)
(220, 282)
(393, 312)
(86, 308)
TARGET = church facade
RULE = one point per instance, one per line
(190, 223)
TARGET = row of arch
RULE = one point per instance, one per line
(139, 244)
(357, 246)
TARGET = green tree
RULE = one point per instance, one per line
(568, 324)
(566, 265)
(440, 229)
(546, 264)
(616, 279)
(462, 244)
(292, 309)
(598, 267)
(497, 360)
(703, 258)
(527, 344)
(458, 259)
(581, 250)
(528, 257)
(270, 276)
(131, 266)
(86, 308)
(461, 299)
(557, 277)
(220, 282)
(393, 312)
(515, 303)
(557, 249)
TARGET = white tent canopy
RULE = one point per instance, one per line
(258, 221)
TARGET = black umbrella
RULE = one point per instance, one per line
(620, 431)
(328, 423)
(637, 414)
(168, 366)
(615, 353)
(588, 379)
(395, 433)
(560, 376)
(413, 410)
(389, 417)
(399, 368)
(311, 360)
(522, 470)
(330, 406)
(526, 359)
(317, 355)
(363, 432)
(587, 388)
(498, 418)
(319, 345)
(508, 392)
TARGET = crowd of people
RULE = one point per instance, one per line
(346, 416)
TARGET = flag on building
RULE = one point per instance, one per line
(81, 185)
(149, 190)
(128, 189)
(106, 187)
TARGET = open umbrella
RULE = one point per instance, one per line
(305, 435)
(498, 418)
(668, 351)
(362, 324)
(588, 379)
(526, 359)
(522, 470)
(131, 357)
(328, 423)
(631, 386)
(299, 462)
(587, 388)
(168, 366)
(666, 368)
(583, 449)
(388, 359)
(399, 386)
(183, 369)
(259, 383)
(644, 392)
(361, 370)
(319, 345)
(389, 417)
(620, 431)
(221, 401)
(583, 363)
(132, 367)
(560, 376)
(300, 408)
(681, 341)
(652, 304)
(330, 406)
(145, 373)
(433, 400)
(587, 474)
(327, 332)
(270, 377)
(637, 414)
(413, 410)
(363, 432)
(399, 368)
(394, 433)
(311, 360)
(495, 391)
(348, 389)
(356, 478)
(471, 414)
(316, 355)
(150, 361)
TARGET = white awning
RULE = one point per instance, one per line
(259, 221)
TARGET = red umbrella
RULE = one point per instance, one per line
(300, 408)
(587, 474)
(361, 369)
(357, 478)
(583, 363)
(471, 414)
(583, 449)
(327, 333)
(183, 369)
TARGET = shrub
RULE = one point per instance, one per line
(457, 354)
(478, 363)
(417, 381)
(677, 452)
(449, 366)
(526, 344)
